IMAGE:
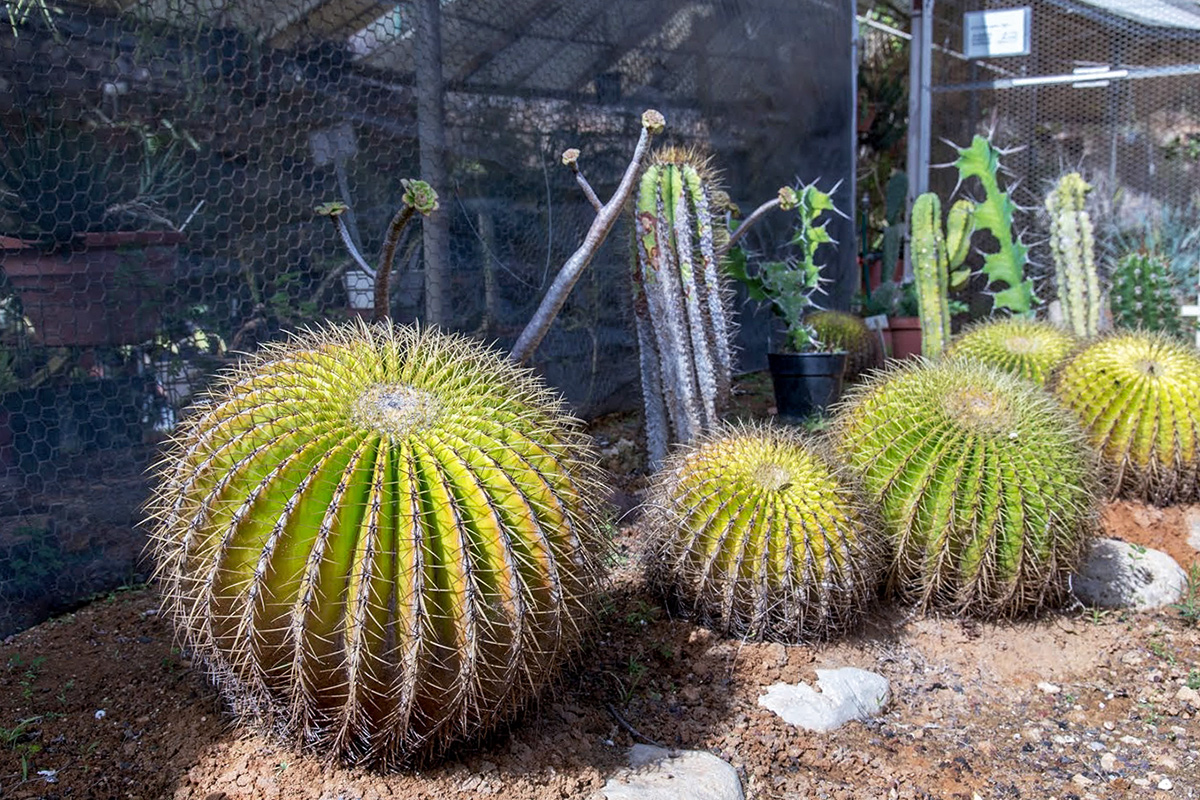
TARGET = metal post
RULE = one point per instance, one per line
(431, 130)
(920, 95)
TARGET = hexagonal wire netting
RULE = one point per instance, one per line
(161, 161)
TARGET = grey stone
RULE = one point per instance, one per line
(1116, 574)
(1193, 523)
(658, 774)
(846, 694)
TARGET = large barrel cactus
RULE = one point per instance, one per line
(840, 330)
(758, 535)
(1138, 397)
(379, 539)
(1019, 345)
(987, 487)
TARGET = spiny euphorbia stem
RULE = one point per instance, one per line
(380, 539)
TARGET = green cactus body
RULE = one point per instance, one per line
(1138, 397)
(1074, 251)
(1006, 266)
(1021, 346)
(757, 535)
(683, 326)
(839, 330)
(1143, 294)
(987, 487)
(932, 278)
(381, 540)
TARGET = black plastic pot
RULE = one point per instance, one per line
(805, 383)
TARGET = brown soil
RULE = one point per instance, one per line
(1077, 704)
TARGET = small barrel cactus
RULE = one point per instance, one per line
(759, 536)
(1019, 345)
(380, 540)
(839, 330)
(1138, 396)
(1143, 294)
(987, 487)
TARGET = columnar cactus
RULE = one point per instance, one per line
(757, 535)
(683, 326)
(1074, 251)
(839, 330)
(1025, 347)
(935, 254)
(995, 213)
(380, 540)
(1143, 294)
(987, 487)
(1138, 396)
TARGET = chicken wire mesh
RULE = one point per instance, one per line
(161, 161)
(1110, 89)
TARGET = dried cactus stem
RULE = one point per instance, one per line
(1073, 248)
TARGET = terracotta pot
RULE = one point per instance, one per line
(902, 337)
(107, 289)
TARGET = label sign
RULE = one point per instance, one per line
(1004, 32)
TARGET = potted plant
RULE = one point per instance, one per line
(85, 242)
(806, 375)
(898, 302)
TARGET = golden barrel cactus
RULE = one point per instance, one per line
(756, 534)
(1138, 397)
(1022, 346)
(380, 539)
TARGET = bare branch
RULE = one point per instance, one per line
(652, 125)
(754, 217)
(571, 159)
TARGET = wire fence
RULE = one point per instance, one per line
(161, 161)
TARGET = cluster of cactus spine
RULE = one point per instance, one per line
(935, 254)
(683, 327)
(1143, 294)
(995, 214)
(1026, 347)
(757, 535)
(1138, 396)
(840, 330)
(381, 540)
(987, 487)
(1073, 247)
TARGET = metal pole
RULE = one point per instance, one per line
(920, 74)
(431, 131)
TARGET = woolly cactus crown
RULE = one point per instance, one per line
(1138, 397)
(380, 539)
(757, 534)
(1019, 345)
(987, 487)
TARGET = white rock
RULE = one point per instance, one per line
(1118, 575)
(1108, 762)
(658, 774)
(1166, 785)
(1193, 523)
(847, 693)
(1049, 688)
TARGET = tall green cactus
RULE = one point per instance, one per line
(381, 540)
(1073, 248)
(935, 253)
(683, 327)
(995, 214)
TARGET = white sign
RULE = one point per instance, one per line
(1004, 32)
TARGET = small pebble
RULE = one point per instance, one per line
(1166, 785)
(1049, 688)
(1108, 762)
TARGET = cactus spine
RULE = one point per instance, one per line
(1021, 346)
(935, 254)
(381, 540)
(987, 487)
(683, 327)
(757, 535)
(1073, 247)
(1143, 294)
(995, 214)
(1138, 396)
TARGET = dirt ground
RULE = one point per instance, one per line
(1075, 705)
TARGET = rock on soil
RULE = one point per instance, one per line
(655, 773)
(1120, 575)
(846, 694)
